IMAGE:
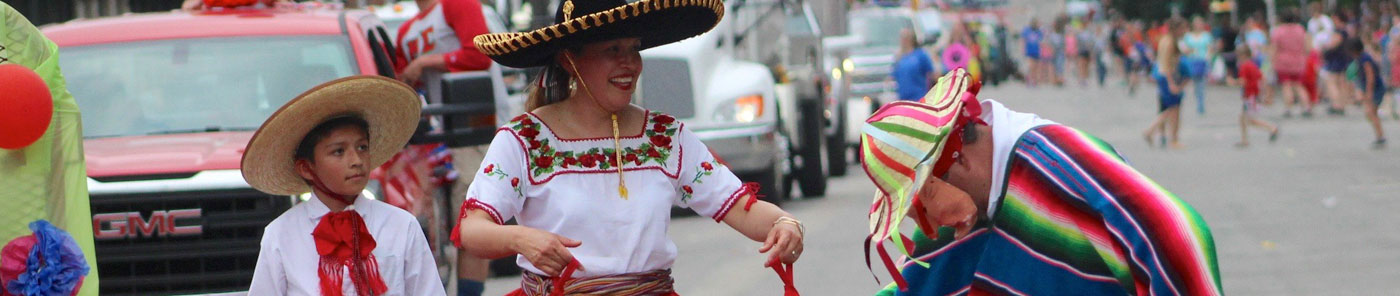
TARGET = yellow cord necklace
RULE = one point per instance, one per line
(617, 136)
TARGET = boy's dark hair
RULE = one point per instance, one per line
(307, 147)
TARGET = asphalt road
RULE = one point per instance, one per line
(1313, 214)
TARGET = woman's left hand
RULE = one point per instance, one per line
(784, 244)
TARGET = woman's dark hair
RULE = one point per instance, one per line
(1290, 16)
(307, 147)
(552, 85)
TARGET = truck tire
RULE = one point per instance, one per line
(811, 176)
(770, 184)
(836, 146)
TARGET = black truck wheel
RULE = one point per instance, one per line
(771, 187)
(811, 174)
(836, 146)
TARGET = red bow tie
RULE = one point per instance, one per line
(343, 242)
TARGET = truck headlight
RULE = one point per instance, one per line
(744, 109)
(836, 74)
(848, 65)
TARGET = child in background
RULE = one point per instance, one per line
(1310, 83)
(1250, 75)
(1170, 81)
(1371, 85)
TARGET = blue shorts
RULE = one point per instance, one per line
(1059, 62)
(1376, 98)
(1165, 98)
(1195, 67)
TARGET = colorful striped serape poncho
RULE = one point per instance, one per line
(1075, 219)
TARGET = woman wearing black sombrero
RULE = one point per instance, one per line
(590, 178)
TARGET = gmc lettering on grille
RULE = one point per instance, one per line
(129, 225)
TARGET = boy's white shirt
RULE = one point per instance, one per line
(288, 262)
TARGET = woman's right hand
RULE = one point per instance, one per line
(547, 251)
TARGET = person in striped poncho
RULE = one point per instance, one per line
(1008, 203)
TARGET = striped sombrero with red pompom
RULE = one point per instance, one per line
(903, 144)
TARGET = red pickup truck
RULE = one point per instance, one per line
(170, 100)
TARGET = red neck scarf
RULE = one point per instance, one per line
(343, 242)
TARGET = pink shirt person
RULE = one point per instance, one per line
(1290, 49)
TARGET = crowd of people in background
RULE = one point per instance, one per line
(1307, 58)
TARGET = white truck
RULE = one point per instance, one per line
(735, 106)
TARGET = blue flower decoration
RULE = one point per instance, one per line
(55, 266)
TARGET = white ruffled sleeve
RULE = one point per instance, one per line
(497, 186)
(705, 184)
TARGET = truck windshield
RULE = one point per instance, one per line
(881, 30)
(196, 85)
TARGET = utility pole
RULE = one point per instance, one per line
(1271, 10)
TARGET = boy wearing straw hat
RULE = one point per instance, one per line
(338, 242)
(1008, 203)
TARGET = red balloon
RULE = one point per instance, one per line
(28, 106)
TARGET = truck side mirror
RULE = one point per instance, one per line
(465, 105)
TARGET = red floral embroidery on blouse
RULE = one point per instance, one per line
(661, 141)
(545, 160)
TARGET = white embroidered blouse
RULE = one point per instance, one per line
(569, 187)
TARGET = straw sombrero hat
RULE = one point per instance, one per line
(577, 22)
(905, 143)
(390, 107)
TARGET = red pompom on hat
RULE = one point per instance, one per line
(28, 106)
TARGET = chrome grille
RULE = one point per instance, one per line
(221, 259)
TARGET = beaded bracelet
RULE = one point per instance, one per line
(801, 230)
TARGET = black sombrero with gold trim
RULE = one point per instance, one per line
(577, 22)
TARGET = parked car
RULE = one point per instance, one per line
(170, 99)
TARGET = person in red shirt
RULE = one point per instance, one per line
(439, 40)
(1249, 78)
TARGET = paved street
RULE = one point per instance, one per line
(1313, 214)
